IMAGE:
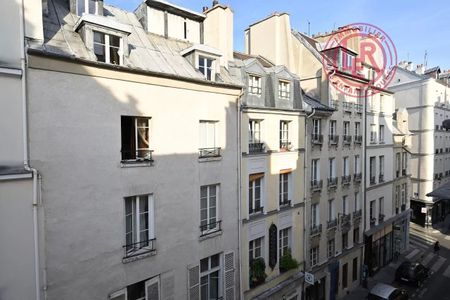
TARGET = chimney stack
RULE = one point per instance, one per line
(205, 8)
(215, 2)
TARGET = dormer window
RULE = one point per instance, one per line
(107, 48)
(87, 7)
(284, 91)
(206, 66)
(254, 85)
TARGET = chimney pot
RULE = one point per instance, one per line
(205, 8)
(215, 2)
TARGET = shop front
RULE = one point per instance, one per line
(379, 248)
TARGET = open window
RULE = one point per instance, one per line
(136, 139)
(88, 7)
(108, 48)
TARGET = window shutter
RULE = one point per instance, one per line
(229, 276)
(152, 289)
(194, 283)
(119, 295)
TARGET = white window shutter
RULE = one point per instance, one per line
(194, 283)
(152, 289)
(229, 276)
(119, 295)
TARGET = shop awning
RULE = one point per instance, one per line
(441, 193)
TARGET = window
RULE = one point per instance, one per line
(346, 166)
(284, 242)
(254, 85)
(145, 289)
(314, 256)
(284, 135)
(381, 206)
(210, 281)
(315, 215)
(357, 128)
(404, 162)
(255, 249)
(381, 168)
(381, 138)
(332, 128)
(373, 133)
(332, 169)
(344, 205)
(284, 188)
(346, 128)
(357, 164)
(356, 235)
(284, 90)
(331, 210)
(87, 7)
(107, 48)
(403, 193)
(372, 210)
(254, 131)
(372, 169)
(344, 241)
(381, 103)
(135, 138)
(330, 248)
(355, 269)
(139, 225)
(316, 127)
(209, 139)
(397, 163)
(397, 198)
(315, 170)
(344, 276)
(208, 209)
(357, 202)
(206, 67)
(254, 193)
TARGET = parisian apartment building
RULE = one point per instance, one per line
(425, 95)
(146, 159)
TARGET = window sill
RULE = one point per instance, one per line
(143, 255)
(210, 158)
(210, 235)
(136, 163)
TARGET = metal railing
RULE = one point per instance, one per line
(332, 224)
(372, 180)
(316, 230)
(333, 139)
(358, 139)
(317, 138)
(347, 139)
(334, 104)
(286, 146)
(397, 173)
(373, 221)
(256, 210)
(347, 106)
(144, 155)
(332, 181)
(357, 177)
(359, 108)
(404, 172)
(256, 147)
(316, 184)
(212, 227)
(346, 179)
(139, 248)
(381, 178)
(381, 218)
(357, 214)
(209, 152)
(285, 203)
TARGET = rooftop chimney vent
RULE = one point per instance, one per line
(215, 2)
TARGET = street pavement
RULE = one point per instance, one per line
(437, 286)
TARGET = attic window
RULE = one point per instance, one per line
(284, 91)
(107, 48)
(206, 66)
(87, 7)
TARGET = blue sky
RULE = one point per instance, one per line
(415, 26)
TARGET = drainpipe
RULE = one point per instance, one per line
(239, 184)
(27, 167)
(363, 170)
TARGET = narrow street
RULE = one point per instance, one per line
(421, 250)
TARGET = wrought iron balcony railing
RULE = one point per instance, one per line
(334, 104)
(212, 227)
(347, 106)
(373, 221)
(285, 203)
(372, 180)
(332, 182)
(316, 184)
(316, 230)
(358, 139)
(347, 139)
(357, 214)
(139, 248)
(359, 108)
(209, 152)
(381, 178)
(381, 218)
(357, 177)
(332, 224)
(346, 179)
(317, 139)
(255, 210)
(256, 147)
(333, 139)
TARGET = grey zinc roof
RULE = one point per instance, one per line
(148, 52)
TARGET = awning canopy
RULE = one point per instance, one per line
(442, 192)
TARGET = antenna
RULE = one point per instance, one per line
(309, 28)
(425, 59)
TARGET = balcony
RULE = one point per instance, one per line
(357, 177)
(357, 215)
(285, 146)
(317, 139)
(139, 248)
(347, 139)
(316, 185)
(345, 222)
(332, 224)
(209, 152)
(316, 230)
(381, 218)
(381, 178)
(333, 139)
(346, 179)
(358, 139)
(256, 210)
(372, 180)
(347, 106)
(359, 108)
(334, 104)
(332, 182)
(210, 228)
(256, 148)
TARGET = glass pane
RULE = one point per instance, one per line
(215, 260)
(114, 56)
(114, 41)
(209, 63)
(92, 5)
(203, 191)
(143, 204)
(204, 287)
(80, 7)
(208, 74)
(203, 203)
(214, 286)
(204, 264)
(212, 212)
(99, 51)
(99, 37)
(143, 140)
(212, 202)
(201, 62)
(203, 214)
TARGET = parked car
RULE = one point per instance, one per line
(383, 291)
(412, 272)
